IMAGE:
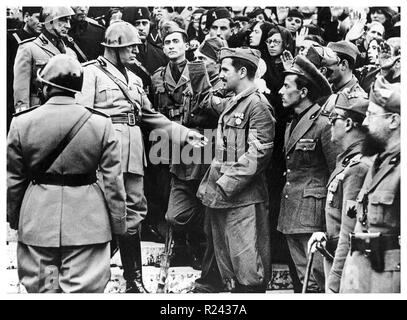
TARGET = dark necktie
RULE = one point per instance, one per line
(60, 46)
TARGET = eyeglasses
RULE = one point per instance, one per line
(333, 117)
(369, 114)
(144, 23)
(274, 42)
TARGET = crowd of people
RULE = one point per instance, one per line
(239, 136)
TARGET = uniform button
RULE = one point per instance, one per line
(398, 266)
(286, 196)
(287, 183)
(192, 115)
(305, 148)
(288, 170)
(288, 157)
(285, 173)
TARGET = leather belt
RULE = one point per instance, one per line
(71, 180)
(126, 118)
(176, 112)
(385, 242)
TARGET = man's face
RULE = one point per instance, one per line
(61, 26)
(229, 75)
(174, 46)
(128, 54)
(143, 28)
(221, 29)
(33, 22)
(80, 13)
(293, 24)
(378, 16)
(333, 73)
(377, 123)
(373, 52)
(376, 31)
(211, 66)
(290, 94)
(338, 126)
(195, 20)
(160, 13)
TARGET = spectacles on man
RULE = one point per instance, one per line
(273, 42)
(370, 115)
(333, 117)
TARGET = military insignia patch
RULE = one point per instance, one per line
(351, 211)
(239, 117)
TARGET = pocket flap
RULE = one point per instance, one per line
(383, 197)
(305, 146)
(318, 193)
(236, 122)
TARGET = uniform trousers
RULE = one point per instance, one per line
(359, 277)
(297, 244)
(241, 240)
(68, 269)
(136, 203)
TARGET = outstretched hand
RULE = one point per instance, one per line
(196, 139)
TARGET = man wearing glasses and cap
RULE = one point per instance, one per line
(310, 159)
(373, 263)
(234, 189)
(344, 184)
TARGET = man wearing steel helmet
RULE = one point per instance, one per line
(63, 216)
(111, 87)
(34, 54)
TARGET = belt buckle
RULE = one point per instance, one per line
(131, 119)
(367, 251)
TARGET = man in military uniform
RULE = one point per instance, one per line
(85, 35)
(32, 28)
(64, 218)
(234, 189)
(340, 75)
(309, 159)
(373, 263)
(109, 86)
(344, 184)
(33, 55)
(219, 23)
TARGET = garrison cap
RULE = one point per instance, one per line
(211, 47)
(386, 95)
(251, 55)
(216, 14)
(303, 67)
(345, 47)
(321, 56)
(354, 101)
(170, 27)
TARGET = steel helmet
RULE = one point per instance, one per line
(64, 72)
(49, 14)
(121, 34)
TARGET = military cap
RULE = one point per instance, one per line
(241, 18)
(31, 10)
(170, 27)
(131, 14)
(355, 102)
(321, 56)
(211, 47)
(198, 10)
(345, 47)
(251, 55)
(256, 11)
(386, 95)
(216, 14)
(303, 67)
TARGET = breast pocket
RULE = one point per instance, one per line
(380, 202)
(312, 206)
(235, 138)
(305, 149)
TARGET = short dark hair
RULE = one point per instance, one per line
(313, 92)
(351, 61)
(239, 63)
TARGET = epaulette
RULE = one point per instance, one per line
(25, 111)
(88, 63)
(395, 160)
(159, 70)
(316, 114)
(352, 160)
(98, 112)
(27, 40)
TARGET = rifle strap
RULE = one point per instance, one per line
(46, 163)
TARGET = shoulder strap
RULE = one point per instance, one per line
(18, 39)
(46, 163)
(118, 82)
(77, 49)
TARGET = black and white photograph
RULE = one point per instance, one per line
(178, 151)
